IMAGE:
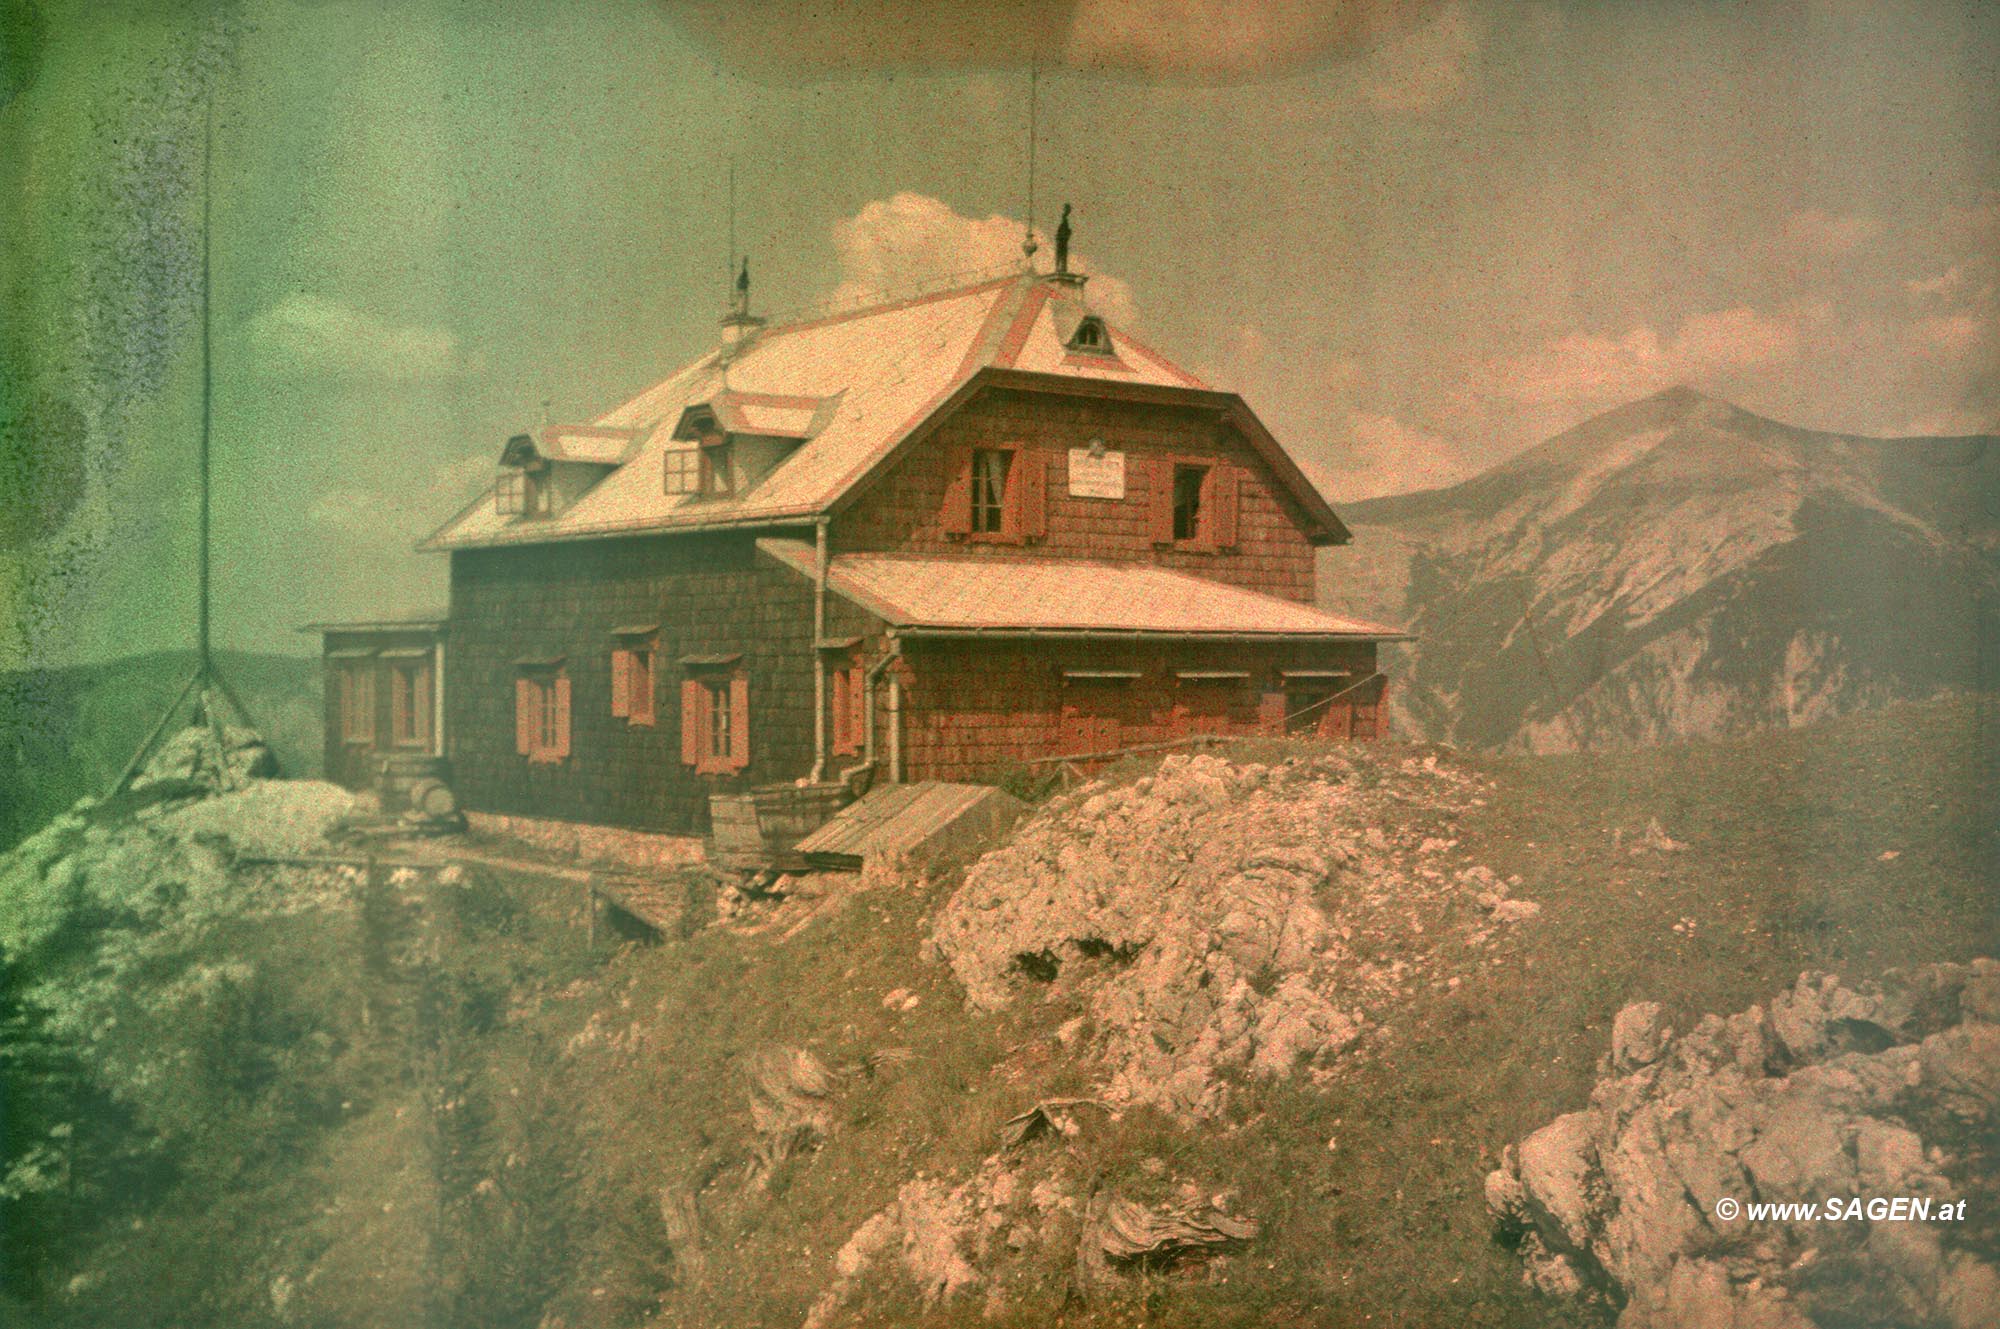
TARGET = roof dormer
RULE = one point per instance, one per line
(542, 473)
(721, 447)
(1090, 337)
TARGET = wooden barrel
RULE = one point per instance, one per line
(399, 772)
(433, 799)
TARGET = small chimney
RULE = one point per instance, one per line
(739, 325)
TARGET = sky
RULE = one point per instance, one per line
(1417, 235)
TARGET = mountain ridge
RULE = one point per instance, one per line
(1680, 566)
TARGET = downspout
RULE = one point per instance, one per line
(895, 730)
(868, 682)
(818, 654)
(437, 697)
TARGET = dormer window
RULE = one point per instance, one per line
(683, 470)
(520, 493)
(718, 472)
(1091, 337)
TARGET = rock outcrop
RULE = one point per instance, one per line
(1226, 916)
(1832, 1094)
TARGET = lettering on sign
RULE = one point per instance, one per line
(1095, 473)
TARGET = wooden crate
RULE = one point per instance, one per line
(759, 829)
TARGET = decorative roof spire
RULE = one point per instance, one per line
(739, 325)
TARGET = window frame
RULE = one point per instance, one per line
(412, 722)
(1003, 510)
(715, 715)
(530, 486)
(1200, 519)
(681, 471)
(542, 735)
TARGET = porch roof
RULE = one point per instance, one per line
(1020, 597)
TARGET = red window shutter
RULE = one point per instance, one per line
(839, 703)
(1030, 496)
(955, 517)
(739, 721)
(859, 705)
(526, 721)
(559, 698)
(621, 683)
(847, 711)
(640, 673)
(366, 705)
(1223, 502)
(1160, 516)
(694, 708)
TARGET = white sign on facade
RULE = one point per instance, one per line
(1095, 473)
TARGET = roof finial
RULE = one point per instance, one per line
(1028, 245)
(1062, 243)
(742, 304)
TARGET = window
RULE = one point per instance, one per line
(632, 676)
(541, 713)
(683, 470)
(1091, 337)
(1189, 482)
(520, 493)
(510, 493)
(410, 702)
(1194, 504)
(989, 490)
(996, 494)
(718, 478)
(715, 715)
(357, 701)
(717, 728)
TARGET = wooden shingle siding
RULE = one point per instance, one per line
(916, 506)
(710, 594)
(972, 710)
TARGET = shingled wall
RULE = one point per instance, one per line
(903, 511)
(710, 594)
(974, 709)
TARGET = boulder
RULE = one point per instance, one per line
(1827, 1093)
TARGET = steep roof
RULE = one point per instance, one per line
(855, 387)
(1011, 596)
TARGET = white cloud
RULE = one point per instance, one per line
(312, 334)
(911, 241)
(1422, 68)
(1596, 370)
(1943, 286)
(1947, 337)
(1386, 455)
(1826, 234)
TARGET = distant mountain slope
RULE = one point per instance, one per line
(1680, 566)
(67, 732)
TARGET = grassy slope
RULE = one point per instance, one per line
(68, 732)
(518, 1105)
(1783, 872)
